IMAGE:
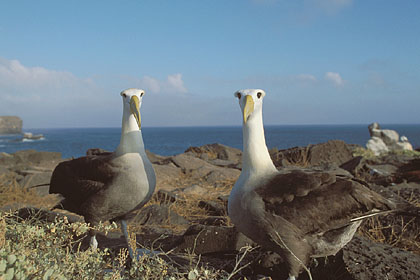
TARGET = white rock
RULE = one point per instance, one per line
(377, 146)
(390, 137)
(404, 144)
(385, 140)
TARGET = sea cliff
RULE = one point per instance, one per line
(10, 125)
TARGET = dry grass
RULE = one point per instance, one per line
(401, 232)
(398, 231)
(12, 193)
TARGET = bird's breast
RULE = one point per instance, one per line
(136, 178)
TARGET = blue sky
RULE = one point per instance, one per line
(63, 63)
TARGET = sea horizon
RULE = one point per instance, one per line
(382, 125)
(73, 142)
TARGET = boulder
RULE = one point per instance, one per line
(222, 174)
(332, 152)
(156, 159)
(7, 159)
(212, 152)
(410, 171)
(360, 259)
(215, 208)
(384, 140)
(202, 171)
(28, 212)
(42, 191)
(202, 239)
(407, 190)
(195, 190)
(97, 151)
(364, 259)
(39, 158)
(166, 173)
(188, 162)
(158, 215)
(377, 146)
(404, 144)
(33, 178)
(10, 125)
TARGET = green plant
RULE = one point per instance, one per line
(34, 249)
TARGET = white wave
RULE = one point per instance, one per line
(32, 140)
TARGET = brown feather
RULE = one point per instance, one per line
(321, 201)
(80, 179)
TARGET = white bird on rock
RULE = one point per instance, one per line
(109, 186)
(299, 214)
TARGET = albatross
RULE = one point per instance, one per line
(299, 214)
(109, 186)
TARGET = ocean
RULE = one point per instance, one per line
(73, 142)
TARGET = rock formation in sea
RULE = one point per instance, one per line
(386, 140)
(10, 125)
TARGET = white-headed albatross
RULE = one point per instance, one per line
(299, 214)
(109, 186)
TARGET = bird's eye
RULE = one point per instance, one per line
(141, 95)
(259, 94)
(124, 95)
(239, 96)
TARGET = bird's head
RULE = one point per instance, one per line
(132, 98)
(250, 101)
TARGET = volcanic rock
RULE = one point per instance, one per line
(202, 239)
(332, 152)
(217, 154)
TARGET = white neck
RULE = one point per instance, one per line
(255, 157)
(131, 137)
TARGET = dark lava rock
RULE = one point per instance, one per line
(356, 166)
(97, 152)
(332, 152)
(214, 221)
(158, 215)
(361, 259)
(407, 190)
(410, 171)
(34, 178)
(213, 152)
(36, 157)
(377, 171)
(46, 215)
(157, 159)
(202, 239)
(30, 157)
(213, 207)
(366, 260)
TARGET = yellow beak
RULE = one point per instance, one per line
(135, 109)
(248, 108)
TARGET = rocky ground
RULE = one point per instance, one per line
(188, 213)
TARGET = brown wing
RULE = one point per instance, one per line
(318, 201)
(78, 179)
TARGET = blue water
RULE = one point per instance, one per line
(73, 142)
